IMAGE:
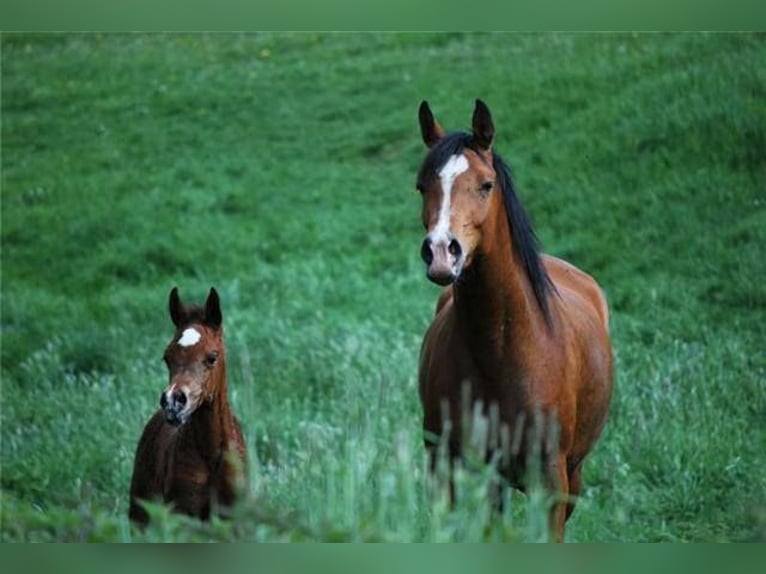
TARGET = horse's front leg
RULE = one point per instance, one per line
(557, 482)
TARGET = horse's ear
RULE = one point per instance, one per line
(483, 128)
(175, 307)
(213, 316)
(430, 129)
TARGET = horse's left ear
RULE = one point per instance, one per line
(176, 308)
(213, 316)
(483, 128)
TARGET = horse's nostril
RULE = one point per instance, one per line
(179, 397)
(425, 251)
(163, 401)
(454, 248)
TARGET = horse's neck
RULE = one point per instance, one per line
(211, 426)
(496, 306)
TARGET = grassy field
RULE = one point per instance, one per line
(280, 168)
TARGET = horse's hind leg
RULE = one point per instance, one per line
(558, 484)
(575, 484)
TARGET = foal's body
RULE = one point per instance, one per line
(190, 467)
(523, 331)
(192, 452)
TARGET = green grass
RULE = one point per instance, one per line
(280, 168)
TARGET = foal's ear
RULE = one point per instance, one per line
(430, 129)
(175, 307)
(213, 315)
(483, 128)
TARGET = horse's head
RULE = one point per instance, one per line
(459, 188)
(194, 357)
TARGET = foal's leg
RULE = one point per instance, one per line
(136, 512)
(140, 489)
(187, 486)
(188, 497)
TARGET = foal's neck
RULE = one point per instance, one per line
(211, 427)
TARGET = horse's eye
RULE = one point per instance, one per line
(487, 186)
(210, 359)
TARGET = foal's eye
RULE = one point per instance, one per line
(210, 359)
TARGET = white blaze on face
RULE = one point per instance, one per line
(189, 337)
(456, 165)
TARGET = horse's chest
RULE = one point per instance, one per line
(188, 471)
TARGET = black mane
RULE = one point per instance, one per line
(523, 237)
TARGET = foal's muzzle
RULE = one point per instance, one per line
(443, 258)
(173, 406)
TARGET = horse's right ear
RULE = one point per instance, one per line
(175, 307)
(483, 128)
(213, 315)
(430, 129)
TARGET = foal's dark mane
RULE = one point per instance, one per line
(523, 237)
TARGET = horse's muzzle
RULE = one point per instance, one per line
(443, 259)
(173, 407)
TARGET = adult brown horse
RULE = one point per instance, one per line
(523, 333)
(192, 453)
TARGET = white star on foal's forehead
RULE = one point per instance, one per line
(189, 337)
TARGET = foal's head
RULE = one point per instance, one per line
(194, 357)
(459, 186)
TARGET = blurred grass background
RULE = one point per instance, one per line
(280, 168)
